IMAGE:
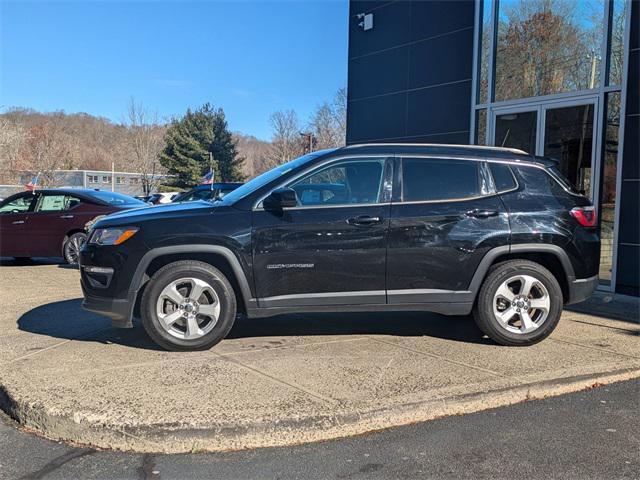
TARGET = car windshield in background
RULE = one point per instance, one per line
(117, 199)
(269, 176)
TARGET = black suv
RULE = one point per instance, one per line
(447, 229)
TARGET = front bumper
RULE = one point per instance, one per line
(581, 289)
(120, 311)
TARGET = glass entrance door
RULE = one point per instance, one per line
(563, 131)
(568, 137)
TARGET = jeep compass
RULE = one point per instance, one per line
(440, 228)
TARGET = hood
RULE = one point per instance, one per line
(155, 212)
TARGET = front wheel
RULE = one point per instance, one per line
(188, 305)
(72, 246)
(519, 304)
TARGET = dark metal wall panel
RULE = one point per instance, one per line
(628, 267)
(419, 54)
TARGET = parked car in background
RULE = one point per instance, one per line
(51, 222)
(439, 228)
(206, 192)
(162, 197)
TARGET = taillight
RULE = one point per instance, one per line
(586, 216)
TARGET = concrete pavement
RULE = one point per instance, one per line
(586, 435)
(292, 379)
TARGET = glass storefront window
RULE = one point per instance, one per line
(485, 46)
(547, 46)
(481, 127)
(608, 193)
(517, 130)
(616, 40)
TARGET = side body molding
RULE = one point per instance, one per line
(138, 276)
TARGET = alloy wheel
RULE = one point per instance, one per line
(188, 308)
(521, 304)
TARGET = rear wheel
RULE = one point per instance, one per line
(72, 246)
(520, 303)
(188, 305)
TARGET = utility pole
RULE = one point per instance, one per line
(113, 176)
(309, 137)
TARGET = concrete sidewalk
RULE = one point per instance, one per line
(68, 375)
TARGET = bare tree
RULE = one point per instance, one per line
(13, 136)
(285, 141)
(255, 152)
(47, 150)
(145, 140)
(329, 122)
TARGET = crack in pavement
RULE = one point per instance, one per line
(57, 463)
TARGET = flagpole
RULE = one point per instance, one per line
(211, 170)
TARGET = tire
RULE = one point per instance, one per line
(507, 314)
(71, 247)
(168, 316)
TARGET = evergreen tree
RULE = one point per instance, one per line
(190, 139)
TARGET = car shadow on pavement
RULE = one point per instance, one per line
(66, 320)
(401, 324)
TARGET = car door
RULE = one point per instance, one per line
(51, 219)
(13, 218)
(445, 217)
(331, 248)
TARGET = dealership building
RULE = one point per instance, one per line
(558, 78)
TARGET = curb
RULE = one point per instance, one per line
(167, 438)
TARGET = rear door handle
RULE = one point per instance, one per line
(17, 222)
(364, 220)
(66, 216)
(479, 213)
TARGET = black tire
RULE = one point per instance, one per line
(483, 312)
(188, 269)
(71, 247)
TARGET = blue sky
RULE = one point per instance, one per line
(250, 58)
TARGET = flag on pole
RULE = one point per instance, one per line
(208, 178)
(33, 183)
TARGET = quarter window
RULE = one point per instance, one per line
(432, 179)
(502, 177)
(350, 182)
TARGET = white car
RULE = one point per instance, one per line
(161, 197)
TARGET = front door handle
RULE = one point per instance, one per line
(17, 222)
(66, 216)
(364, 220)
(479, 213)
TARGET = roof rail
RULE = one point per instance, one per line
(478, 147)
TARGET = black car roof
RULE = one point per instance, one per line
(85, 193)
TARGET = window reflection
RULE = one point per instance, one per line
(608, 195)
(485, 46)
(616, 55)
(547, 46)
(481, 127)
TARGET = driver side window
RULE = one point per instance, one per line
(343, 183)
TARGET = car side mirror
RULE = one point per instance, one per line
(280, 198)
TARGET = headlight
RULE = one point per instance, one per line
(112, 235)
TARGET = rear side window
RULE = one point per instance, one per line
(432, 179)
(502, 177)
(538, 181)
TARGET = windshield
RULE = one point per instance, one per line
(117, 199)
(268, 176)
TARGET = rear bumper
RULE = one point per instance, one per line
(120, 311)
(581, 289)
